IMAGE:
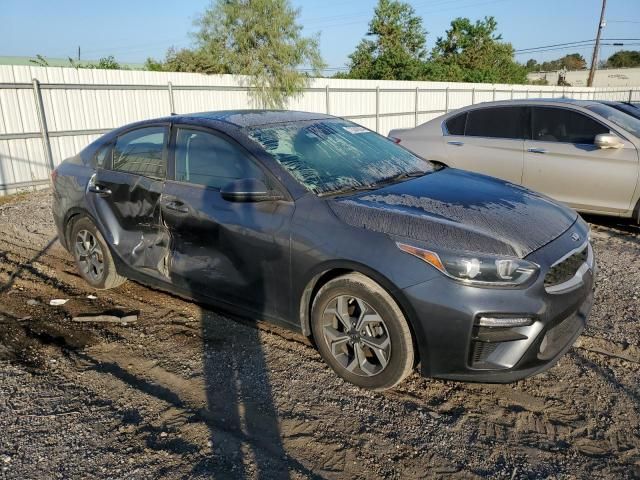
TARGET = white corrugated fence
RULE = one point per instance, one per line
(50, 113)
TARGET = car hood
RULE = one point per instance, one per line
(458, 210)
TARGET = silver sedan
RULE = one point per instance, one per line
(583, 153)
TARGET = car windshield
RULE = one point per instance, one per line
(621, 119)
(334, 155)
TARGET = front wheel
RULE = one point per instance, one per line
(361, 332)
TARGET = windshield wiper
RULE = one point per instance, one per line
(350, 189)
(376, 185)
(401, 176)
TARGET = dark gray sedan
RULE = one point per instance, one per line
(386, 260)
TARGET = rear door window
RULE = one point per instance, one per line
(563, 125)
(102, 159)
(141, 152)
(455, 125)
(207, 159)
(497, 122)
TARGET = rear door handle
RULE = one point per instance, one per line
(177, 206)
(537, 150)
(100, 190)
(456, 143)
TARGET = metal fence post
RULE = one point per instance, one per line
(417, 106)
(446, 100)
(631, 95)
(493, 97)
(326, 99)
(378, 109)
(511, 93)
(172, 106)
(42, 120)
(473, 96)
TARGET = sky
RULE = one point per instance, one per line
(133, 30)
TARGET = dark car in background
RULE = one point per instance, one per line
(629, 108)
(385, 259)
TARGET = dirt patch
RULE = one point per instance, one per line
(187, 392)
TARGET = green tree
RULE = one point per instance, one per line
(260, 39)
(532, 65)
(105, 63)
(572, 61)
(108, 63)
(186, 60)
(624, 59)
(40, 61)
(398, 50)
(474, 52)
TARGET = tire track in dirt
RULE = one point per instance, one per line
(167, 370)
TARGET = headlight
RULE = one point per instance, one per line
(476, 269)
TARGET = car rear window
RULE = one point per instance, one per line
(499, 122)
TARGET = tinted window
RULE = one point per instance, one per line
(502, 122)
(207, 159)
(455, 125)
(141, 152)
(336, 155)
(563, 125)
(102, 157)
(622, 115)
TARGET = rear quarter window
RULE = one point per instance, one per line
(455, 125)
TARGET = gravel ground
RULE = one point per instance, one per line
(187, 392)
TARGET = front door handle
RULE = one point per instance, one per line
(100, 190)
(537, 150)
(177, 207)
(456, 143)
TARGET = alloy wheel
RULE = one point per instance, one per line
(356, 335)
(89, 255)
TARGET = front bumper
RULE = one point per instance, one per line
(445, 311)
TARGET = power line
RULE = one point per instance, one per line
(581, 47)
(553, 45)
(570, 44)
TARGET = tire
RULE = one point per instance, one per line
(92, 256)
(363, 301)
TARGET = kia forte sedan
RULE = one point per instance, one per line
(583, 153)
(385, 260)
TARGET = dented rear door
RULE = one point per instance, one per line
(126, 194)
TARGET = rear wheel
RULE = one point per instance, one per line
(362, 333)
(92, 255)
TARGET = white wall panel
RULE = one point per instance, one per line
(75, 109)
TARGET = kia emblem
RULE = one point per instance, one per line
(575, 237)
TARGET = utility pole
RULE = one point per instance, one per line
(596, 47)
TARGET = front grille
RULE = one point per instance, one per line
(565, 270)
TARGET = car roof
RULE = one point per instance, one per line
(530, 101)
(253, 118)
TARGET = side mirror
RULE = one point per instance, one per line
(248, 190)
(608, 140)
